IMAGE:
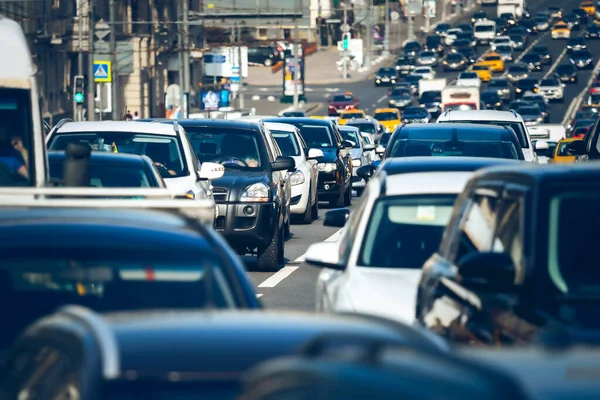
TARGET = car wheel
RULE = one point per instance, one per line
(307, 217)
(348, 196)
(315, 208)
(269, 258)
(268, 62)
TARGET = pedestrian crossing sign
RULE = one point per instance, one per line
(102, 71)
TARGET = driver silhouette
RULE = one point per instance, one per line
(238, 149)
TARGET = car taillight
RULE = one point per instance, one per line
(593, 90)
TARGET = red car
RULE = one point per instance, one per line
(579, 133)
(341, 102)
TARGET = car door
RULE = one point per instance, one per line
(279, 179)
(344, 156)
(312, 165)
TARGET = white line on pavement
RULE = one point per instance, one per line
(333, 238)
(259, 295)
(382, 98)
(577, 100)
(524, 53)
(555, 63)
(277, 277)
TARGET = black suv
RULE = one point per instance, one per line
(254, 194)
(265, 55)
(335, 168)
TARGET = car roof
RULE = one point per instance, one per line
(109, 158)
(19, 66)
(118, 126)
(560, 175)
(361, 121)
(481, 115)
(220, 123)
(254, 118)
(402, 165)
(280, 126)
(434, 182)
(300, 120)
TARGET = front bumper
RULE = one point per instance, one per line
(552, 94)
(300, 198)
(455, 67)
(330, 185)
(247, 225)
(561, 35)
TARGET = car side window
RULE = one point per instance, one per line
(476, 229)
(509, 236)
(195, 161)
(351, 228)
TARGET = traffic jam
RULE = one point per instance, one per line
(462, 207)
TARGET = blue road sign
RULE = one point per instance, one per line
(102, 71)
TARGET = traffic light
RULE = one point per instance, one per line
(79, 89)
(346, 40)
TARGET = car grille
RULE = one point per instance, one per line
(220, 195)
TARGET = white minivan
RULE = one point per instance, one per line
(484, 31)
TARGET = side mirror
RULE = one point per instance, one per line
(336, 218)
(284, 164)
(314, 154)
(488, 270)
(366, 172)
(347, 144)
(211, 171)
(324, 255)
(369, 147)
(563, 85)
(541, 145)
(76, 169)
(576, 148)
(380, 149)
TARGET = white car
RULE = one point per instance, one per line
(375, 267)
(503, 118)
(165, 143)
(358, 154)
(304, 180)
(370, 155)
(552, 89)
(450, 36)
(498, 40)
(470, 79)
(424, 72)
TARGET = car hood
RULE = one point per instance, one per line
(355, 153)
(530, 117)
(329, 155)
(387, 292)
(234, 182)
(549, 87)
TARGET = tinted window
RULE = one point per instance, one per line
(317, 136)
(111, 176)
(454, 58)
(415, 112)
(528, 110)
(517, 127)
(431, 96)
(412, 46)
(532, 57)
(410, 228)
(385, 116)
(485, 28)
(517, 69)
(493, 58)
(342, 98)
(287, 143)
(367, 128)
(476, 230)
(351, 135)
(449, 148)
(468, 75)
(428, 54)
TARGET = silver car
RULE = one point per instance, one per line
(517, 72)
(506, 52)
(427, 58)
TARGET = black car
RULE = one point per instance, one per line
(413, 81)
(525, 85)
(567, 73)
(582, 59)
(461, 44)
(441, 28)
(503, 87)
(405, 65)
(416, 114)
(467, 36)
(593, 32)
(454, 140)
(263, 55)
(431, 100)
(533, 61)
(455, 62)
(335, 168)
(469, 53)
(529, 26)
(435, 43)
(519, 42)
(509, 18)
(576, 43)
(544, 53)
(386, 76)
(411, 49)
(400, 98)
(491, 100)
(465, 28)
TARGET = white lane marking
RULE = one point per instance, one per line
(333, 238)
(577, 100)
(332, 89)
(264, 89)
(277, 277)
(555, 63)
(259, 295)
(524, 53)
(309, 89)
(382, 98)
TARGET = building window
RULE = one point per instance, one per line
(55, 4)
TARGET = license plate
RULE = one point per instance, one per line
(222, 209)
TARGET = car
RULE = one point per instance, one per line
(572, 20)
(400, 98)
(432, 101)
(358, 152)
(442, 28)
(369, 126)
(468, 79)
(294, 113)
(506, 51)
(544, 53)
(582, 59)
(483, 71)
(465, 28)
(350, 114)
(579, 133)
(478, 16)
(542, 24)
(391, 216)
(427, 58)
(415, 114)
(413, 80)
(592, 32)
(340, 102)
(498, 40)
(561, 152)
(531, 113)
(509, 206)
(541, 102)
(388, 117)
(454, 140)
(435, 43)
(304, 200)
(578, 124)
(533, 61)
(469, 53)
(567, 73)
(491, 100)
(503, 87)
(370, 155)
(576, 43)
(404, 66)
(593, 99)
(555, 12)
(502, 118)
(561, 31)
(111, 347)
(411, 49)
(386, 76)
(552, 89)
(510, 18)
(519, 43)
(166, 144)
(525, 85)
(111, 170)
(517, 72)
(450, 36)
(335, 168)
(460, 44)
(424, 72)
(454, 62)
(494, 61)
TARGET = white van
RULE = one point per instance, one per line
(19, 106)
(484, 31)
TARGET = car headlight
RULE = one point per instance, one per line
(540, 119)
(297, 178)
(256, 193)
(387, 130)
(419, 59)
(498, 104)
(190, 195)
(356, 163)
(327, 167)
(518, 90)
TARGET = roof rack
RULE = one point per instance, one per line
(514, 113)
(113, 198)
(61, 123)
(176, 126)
(109, 349)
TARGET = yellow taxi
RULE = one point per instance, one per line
(317, 116)
(561, 155)
(588, 6)
(351, 114)
(483, 71)
(494, 61)
(561, 30)
(390, 118)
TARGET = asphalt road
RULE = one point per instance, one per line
(293, 287)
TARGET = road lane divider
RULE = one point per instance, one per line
(277, 277)
(333, 238)
(528, 48)
(555, 63)
(579, 99)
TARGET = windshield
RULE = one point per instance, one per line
(549, 82)
(516, 126)
(427, 54)
(317, 136)
(417, 112)
(412, 79)
(287, 142)
(526, 83)
(292, 114)
(528, 110)
(387, 71)
(485, 28)
(401, 92)
(409, 227)
(433, 40)
(110, 176)
(468, 75)
(517, 70)
(431, 96)
(532, 57)
(541, 50)
(412, 46)
(504, 49)
(352, 115)
(386, 116)
(162, 149)
(594, 99)
(454, 57)
(344, 98)
(352, 136)
(490, 97)
(445, 147)
(367, 128)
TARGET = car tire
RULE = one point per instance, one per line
(270, 258)
(287, 230)
(315, 209)
(268, 62)
(348, 196)
(307, 217)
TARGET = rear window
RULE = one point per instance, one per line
(493, 58)
(385, 116)
(516, 126)
(432, 147)
(287, 142)
(485, 28)
(342, 98)
(317, 136)
(110, 176)
(367, 128)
